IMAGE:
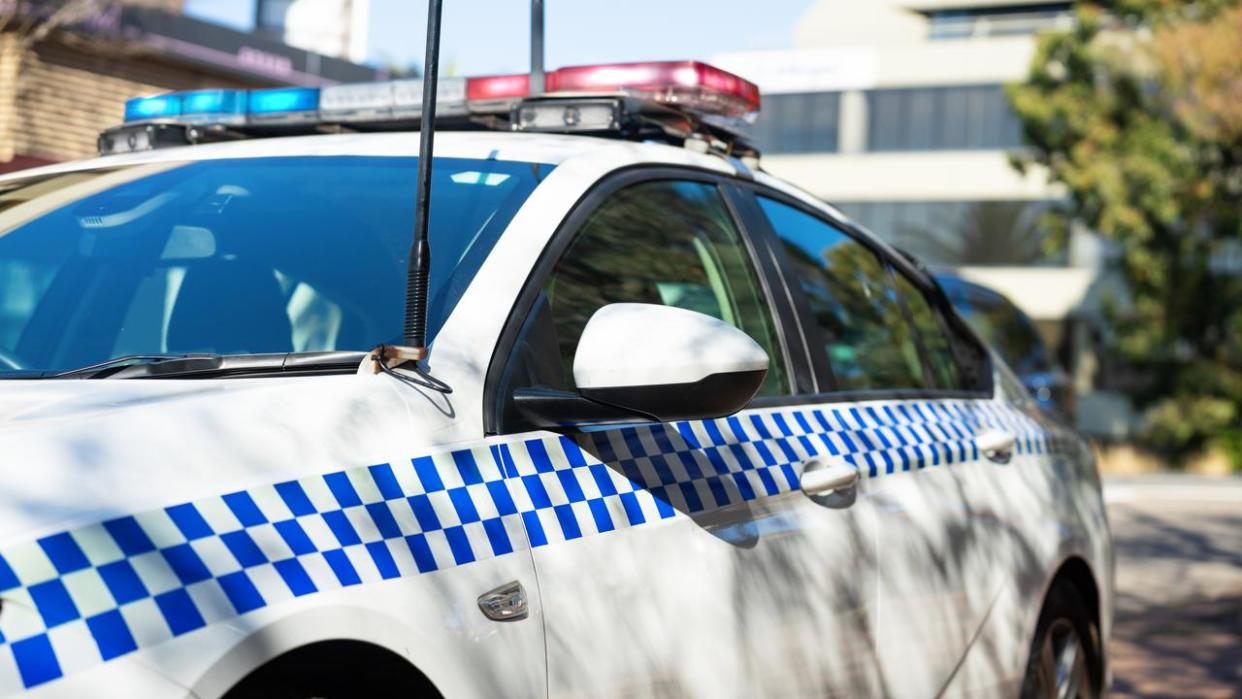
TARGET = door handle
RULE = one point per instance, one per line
(820, 479)
(996, 445)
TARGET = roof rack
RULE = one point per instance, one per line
(678, 102)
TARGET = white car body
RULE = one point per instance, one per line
(930, 583)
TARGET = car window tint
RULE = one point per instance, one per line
(866, 338)
(664, 242)
(937, 348)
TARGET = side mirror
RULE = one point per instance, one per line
(640, 361)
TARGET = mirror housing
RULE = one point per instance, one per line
(645, 362)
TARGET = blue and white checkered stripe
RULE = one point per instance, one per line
(105, 590)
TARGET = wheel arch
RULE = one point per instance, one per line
(1076, 572)
(387, 672)
(355, 631)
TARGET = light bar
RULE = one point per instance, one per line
(394, 99)
(498, 87)
(599, 98)
(154, 107)
(283, 105)
(570, 115)
(133, 138)
(689, 84)
(213, 107)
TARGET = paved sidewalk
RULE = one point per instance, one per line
(1178, 631)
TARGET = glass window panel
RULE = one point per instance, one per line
(937, 348)
(798, 123)
(885, 119)
(668, 243)
(941, 118)
(923, 112)
(865, 336)
(962, 232)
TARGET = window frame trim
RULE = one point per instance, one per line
(786, 328)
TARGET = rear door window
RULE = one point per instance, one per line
(863, 332)
(937, 347)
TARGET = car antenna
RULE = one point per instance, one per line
(385, 358)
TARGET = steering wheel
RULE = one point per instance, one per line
(10, 361)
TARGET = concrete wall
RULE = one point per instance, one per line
(910, 176)
(886, 23)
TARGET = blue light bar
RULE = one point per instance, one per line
(214, 106)
(156, 107)
(283, 104)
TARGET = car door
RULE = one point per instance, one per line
(682, 558)
(906, 401)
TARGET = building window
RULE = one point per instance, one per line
(962, 233)
(1003, 20)
(799, 123)
(959, 117)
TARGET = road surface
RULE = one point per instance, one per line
(1179, 581)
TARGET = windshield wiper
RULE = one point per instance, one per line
(102, 368)
(167, 366)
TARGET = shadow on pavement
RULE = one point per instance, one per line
(1178, 630)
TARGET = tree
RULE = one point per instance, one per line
(1137, 111)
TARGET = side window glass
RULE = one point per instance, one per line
(937, 347)
(867, 341)
(666, 242)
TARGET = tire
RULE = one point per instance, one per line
(1065, 656)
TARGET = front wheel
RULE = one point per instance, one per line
(1064, 652)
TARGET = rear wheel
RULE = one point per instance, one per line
(1064, 654)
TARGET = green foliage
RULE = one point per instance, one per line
(1230, 442)
(1135, 111)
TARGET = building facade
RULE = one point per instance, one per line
(332, 27)
(65, 79)
(895, 111)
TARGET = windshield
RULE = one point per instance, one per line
(240, 256)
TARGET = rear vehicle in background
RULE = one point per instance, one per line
(1014, 337)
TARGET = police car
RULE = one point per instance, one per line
(682, 428)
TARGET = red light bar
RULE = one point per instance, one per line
(498, 87)
(691, 84)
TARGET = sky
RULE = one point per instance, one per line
(482, 37)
